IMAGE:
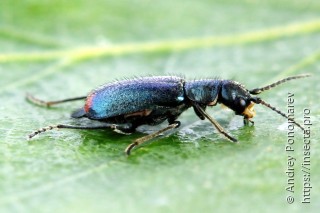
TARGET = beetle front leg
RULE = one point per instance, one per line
(199, 114)
(146, 138)
(214, 122)
(247, 121)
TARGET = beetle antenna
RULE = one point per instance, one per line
(261, 89)
(259, 101)
(40, 102)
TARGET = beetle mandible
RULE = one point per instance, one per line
(124, 105)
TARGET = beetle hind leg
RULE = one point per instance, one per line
(40, 102)
(146, 138)
(119, 128)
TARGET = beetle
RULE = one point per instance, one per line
(125, 105)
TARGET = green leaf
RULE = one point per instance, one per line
(60, 49)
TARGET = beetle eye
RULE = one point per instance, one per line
(242, 102)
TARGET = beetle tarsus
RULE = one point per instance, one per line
(44, 129)
(37, 101)
(130, 147)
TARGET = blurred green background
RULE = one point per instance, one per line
(59, 49)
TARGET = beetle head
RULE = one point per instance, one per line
(240, 100)
(236, 97)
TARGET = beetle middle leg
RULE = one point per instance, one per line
(146, 138)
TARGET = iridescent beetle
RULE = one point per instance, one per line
(125, 105)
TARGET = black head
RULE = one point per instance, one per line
(241, 101)
(236, 97)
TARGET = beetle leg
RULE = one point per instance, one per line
(146, 138)
(123, 128)
(214, 122)
(126, 128)
(40, 102)
(247, 121)
(198, 113)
